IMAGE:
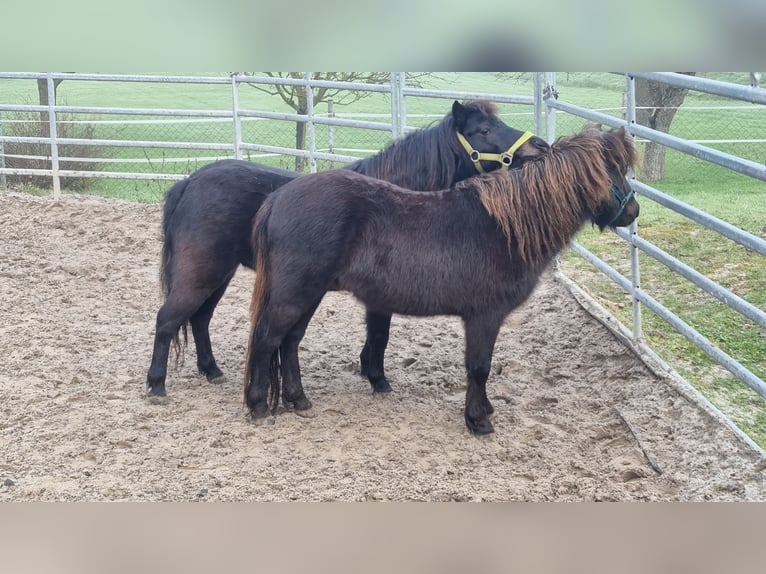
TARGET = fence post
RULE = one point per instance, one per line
(53, 136)
(402, 104)
(635, 271)
(310, 122)
(235, 115)
(537, 78)
(3, 181)
(331, 129)
(549, 91)
(394, 105)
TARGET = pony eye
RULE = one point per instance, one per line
(484, 131)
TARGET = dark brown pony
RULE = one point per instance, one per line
(208, 219)
(475, 251)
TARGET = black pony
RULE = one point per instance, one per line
(475, 251)
(208, 219)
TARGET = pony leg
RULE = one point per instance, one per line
(275, 323)
(373, 353)
(200, 323)
(293, 395)
(257, 393)
(480, 336)
(170, 317)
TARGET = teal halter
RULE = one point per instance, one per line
(623, 199)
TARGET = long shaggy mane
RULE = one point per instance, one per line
(539, 205)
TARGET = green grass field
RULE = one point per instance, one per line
(737, 199)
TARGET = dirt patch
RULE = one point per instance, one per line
(78, 296)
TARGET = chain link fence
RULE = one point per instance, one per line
(737, 129)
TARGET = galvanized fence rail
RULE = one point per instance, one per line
(544, 104)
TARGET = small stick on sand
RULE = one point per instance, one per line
(633, 431)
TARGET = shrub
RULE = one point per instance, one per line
(37, 155)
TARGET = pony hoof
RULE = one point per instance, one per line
(156, 390)
(308, 413)
(480, 428)
(300, 404)
(218, 379)
(380, 387)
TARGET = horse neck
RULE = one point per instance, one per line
(424, 160)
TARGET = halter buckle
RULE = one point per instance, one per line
(505, 158)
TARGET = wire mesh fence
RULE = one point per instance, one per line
(737, 129)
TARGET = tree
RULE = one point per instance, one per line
(656, 106)
(295, 96)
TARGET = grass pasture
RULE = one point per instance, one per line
(716, 122)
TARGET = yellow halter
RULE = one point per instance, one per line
(504, 158)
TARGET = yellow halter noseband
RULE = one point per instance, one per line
(504, 158)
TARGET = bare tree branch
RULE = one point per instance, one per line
(295, 96)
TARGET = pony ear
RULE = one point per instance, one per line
(459, 115)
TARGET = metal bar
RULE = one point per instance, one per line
(380, 88)
(601, 265)
(711, 155)
(331, 129)
(727, 160)
(591, 115)
(3, 181)
(704, 344)
(402, 103)
(123, 143)
(721, 293)
(537, 78)
(549, 96)
(395, 115)
(635, 269)
(236, 123)
(53, 142)
(700, 341)
(317, 120)
(310, 122)
(116, 78)
(302, 153)
(94, 174)
(119, 111)
(726, 229)
(454, 95)
(751, 94)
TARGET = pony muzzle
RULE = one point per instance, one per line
(622, 198)
(505, 158)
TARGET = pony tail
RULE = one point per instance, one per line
(172, 198)
(260, 239)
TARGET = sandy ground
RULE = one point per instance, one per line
(78, 296)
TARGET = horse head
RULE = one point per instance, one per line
(619, 155)
(488, 141)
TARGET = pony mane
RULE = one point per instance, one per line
(541, 204)
(425, 159)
